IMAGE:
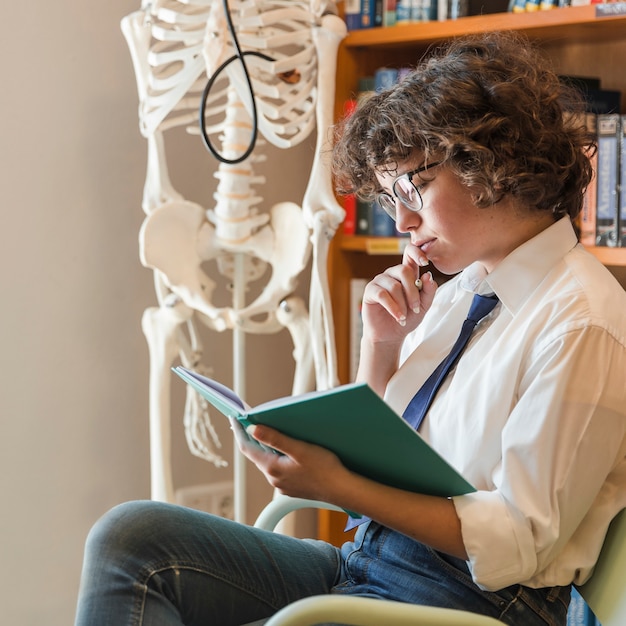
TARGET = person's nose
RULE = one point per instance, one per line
(405, 218)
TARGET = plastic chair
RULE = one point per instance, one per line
(605, 592)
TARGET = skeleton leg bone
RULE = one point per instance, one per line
(160, 326)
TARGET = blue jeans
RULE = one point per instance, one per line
(154, 564)
(383, 563)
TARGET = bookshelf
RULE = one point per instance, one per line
(580, 41)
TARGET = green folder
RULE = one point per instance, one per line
(355, 423)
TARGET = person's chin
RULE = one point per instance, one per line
(445, 267)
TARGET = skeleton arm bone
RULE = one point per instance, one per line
(321, 210)
(293, 315)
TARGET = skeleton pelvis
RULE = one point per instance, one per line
(176, 239)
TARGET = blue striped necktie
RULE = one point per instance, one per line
(418, 407)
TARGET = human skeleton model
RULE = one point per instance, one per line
(175, 45)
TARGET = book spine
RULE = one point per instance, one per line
(428, 10)
(357, 286)
(385, 78)
(353, 14)
(587, 219)
(389, 12)
(349, 220)
(349, 201)
(403, 11)
(622, 182)
(363, 217)
(367, 13)
(382, 223)
(442, 10)
(378, 12)
(458, 8)
(606, 209)
(416, 10)
(403, 72)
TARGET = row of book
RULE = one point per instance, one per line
(602, 221)
(360, 14)
(363, 217)
(367, 218)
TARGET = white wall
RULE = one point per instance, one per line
(73, 360)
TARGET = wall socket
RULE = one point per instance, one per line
(216, 498)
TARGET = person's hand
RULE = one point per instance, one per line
(291, 466)
(394, 302)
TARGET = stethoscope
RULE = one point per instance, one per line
(238, 56)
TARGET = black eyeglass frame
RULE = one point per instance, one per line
(387, 201)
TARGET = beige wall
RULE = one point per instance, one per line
(73, 360)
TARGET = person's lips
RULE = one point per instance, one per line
(425, 245)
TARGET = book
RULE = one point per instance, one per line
(385, 78)
(363, 224)
(457, 9)
(428, 11)
(367, 14)
(382, 224)
(378, 12)
(389, 12)
(349, 220)
(606, 208)
(403, 11)
(622, 185)
(352, 421)
(352, 14)
(366, 87)
(416, 10)
(357, 287)
(349, 201)
(587, 217)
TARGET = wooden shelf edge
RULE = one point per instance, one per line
(571, 22)
(395, 245)
(373, 245)
(615, 257)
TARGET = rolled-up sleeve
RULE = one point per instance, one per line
(509, 542)
(562, 445)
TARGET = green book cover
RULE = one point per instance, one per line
(355, 423)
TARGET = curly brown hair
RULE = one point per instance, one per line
(492, 109)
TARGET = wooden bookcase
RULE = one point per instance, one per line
(579, 41)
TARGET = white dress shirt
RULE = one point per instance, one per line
(534, 415)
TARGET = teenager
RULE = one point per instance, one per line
(480, 156)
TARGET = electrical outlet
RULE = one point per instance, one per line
(215, 498)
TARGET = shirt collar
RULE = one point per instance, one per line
(517, 276)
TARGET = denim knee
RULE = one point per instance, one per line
(123, 529)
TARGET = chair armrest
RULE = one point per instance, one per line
(281, 505)
(359, 611)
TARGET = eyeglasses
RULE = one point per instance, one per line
(405, 190)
